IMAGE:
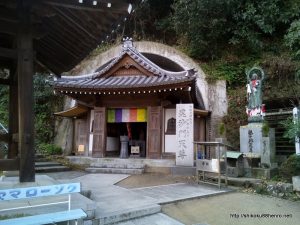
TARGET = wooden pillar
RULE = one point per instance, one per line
(99, 140)
(154, 132)
(13, 114)
(25, 93)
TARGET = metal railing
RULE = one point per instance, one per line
(207, 164)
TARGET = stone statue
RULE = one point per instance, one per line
(255, 108)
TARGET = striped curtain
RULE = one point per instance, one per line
(127, 115)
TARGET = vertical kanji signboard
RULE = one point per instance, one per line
(184, 134)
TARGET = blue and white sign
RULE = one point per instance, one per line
(41, 191)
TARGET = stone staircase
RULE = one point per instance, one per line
(43, 165)
(116, 166)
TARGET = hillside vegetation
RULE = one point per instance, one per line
(227, 37)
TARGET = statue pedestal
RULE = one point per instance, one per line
(124, 146)
(254, 145)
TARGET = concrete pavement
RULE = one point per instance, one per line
(114, 204)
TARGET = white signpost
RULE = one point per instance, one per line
(184, 134)
(296, 118)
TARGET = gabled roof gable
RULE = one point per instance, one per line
(128, 57)
(126, 66)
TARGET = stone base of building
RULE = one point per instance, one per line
(260, 172)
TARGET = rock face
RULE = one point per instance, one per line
(64, 131)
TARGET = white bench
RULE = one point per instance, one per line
(76, 215)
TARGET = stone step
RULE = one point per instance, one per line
(118, 165)
(128, 214)
(154, 219)
(40, 158)
(114, 170)
(48, 169)
(168, 155)
(46, 164)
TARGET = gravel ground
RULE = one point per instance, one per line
(229, 209)
(235, 208)
(153, 179)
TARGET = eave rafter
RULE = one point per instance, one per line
(88, 5)
(64, 31)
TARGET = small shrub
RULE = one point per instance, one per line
(221, 129)
(261, 188)
(290, 168)
(265, 129)
(49, 149)
(5, 217)
(292, 129)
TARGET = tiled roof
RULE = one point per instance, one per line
(121, 82)
(98, 80)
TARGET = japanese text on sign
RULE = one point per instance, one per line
(41, 191)
(184, 134)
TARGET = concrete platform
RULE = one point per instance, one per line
(110, 204)
(114, 170)
(170, 193)
(156, 219)
(116, 204)
(77, 200)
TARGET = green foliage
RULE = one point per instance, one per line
(292, 129)
(229, 68)
(49, 149)
(221, 129)
(4, 105)
(261, 188)
(5, 217)
(46, 103)
(292, 38)
(203, 24)
(265, 129)
(236, 115)
(290, 168)
(210, 27)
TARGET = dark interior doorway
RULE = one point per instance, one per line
(137, 133)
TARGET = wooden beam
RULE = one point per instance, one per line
(4, 137)
(8, 53)
(13, 122)
(5, 63)
(4, 81)
(68, 35)
(9, 164)
(59, 45)
(53, 66)
(8, 27)
(52, 55)
(75, 23)
(9, 15)
(116, 6)
(25, 93)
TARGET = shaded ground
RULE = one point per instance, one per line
(153, 179)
